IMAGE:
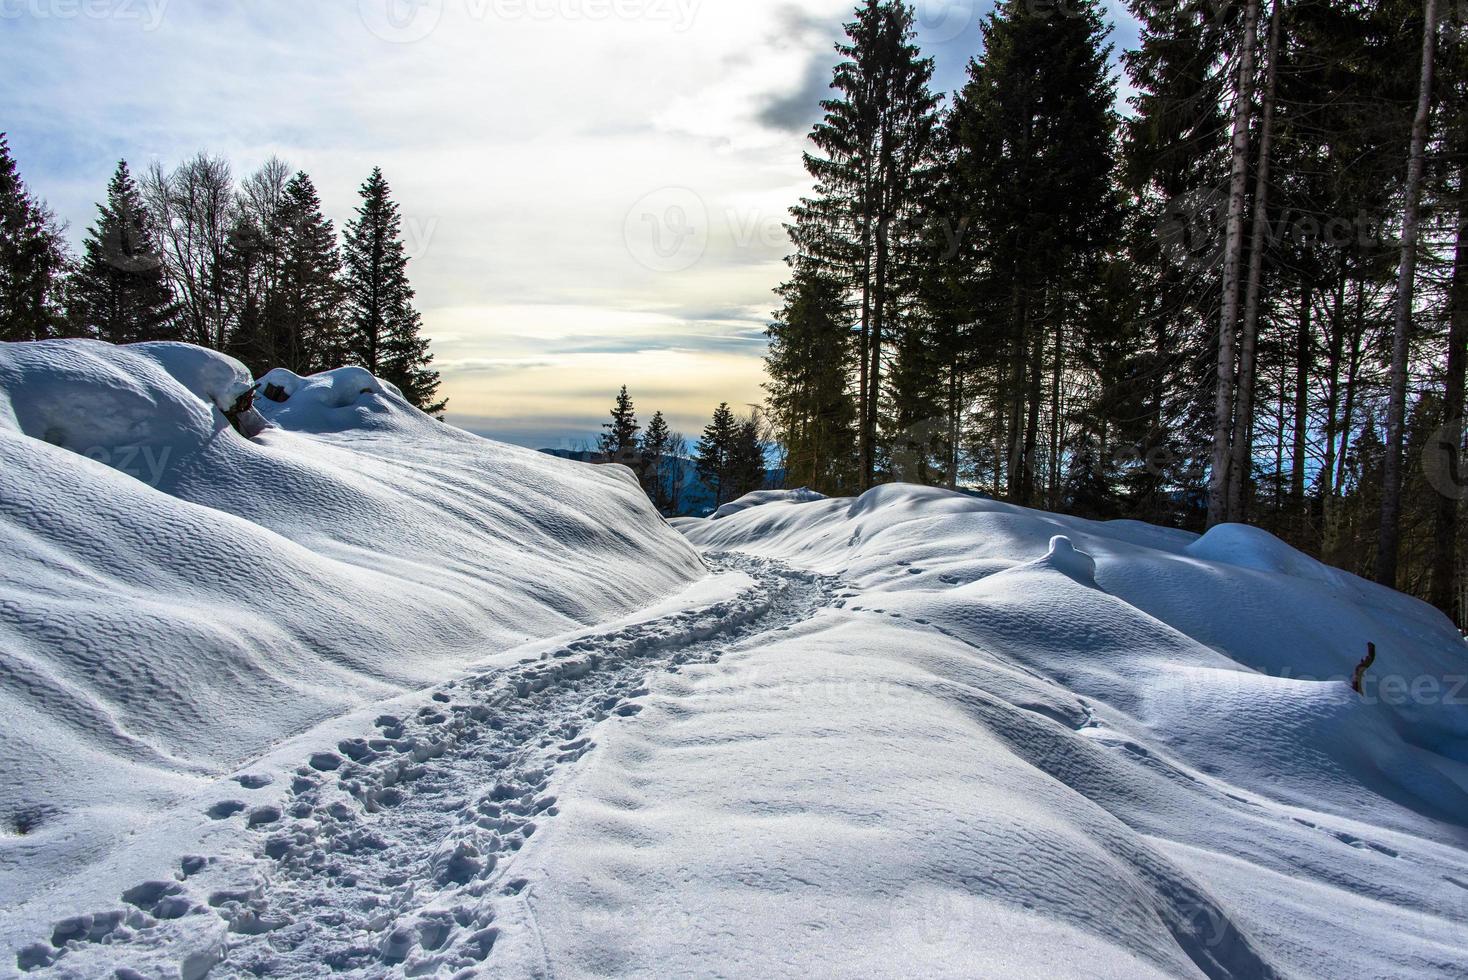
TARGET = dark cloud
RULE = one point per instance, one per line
(795, 112)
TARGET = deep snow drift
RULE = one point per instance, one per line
(175, 598)
(372, 696)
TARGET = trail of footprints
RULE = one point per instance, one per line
(388, 853)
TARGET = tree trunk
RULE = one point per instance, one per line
(1353, 376)
(1335, 357)
(1303, 346)
(1243, 441)
(1445, 520)
(1223, 408)
(874, 374)
(1389, 543)
(1058, 367)
(864, 445)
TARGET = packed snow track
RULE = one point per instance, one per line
(387, 855)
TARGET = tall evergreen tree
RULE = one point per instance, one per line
(1034, 159)
(655, 450)
(875, 153)
(746, 459)
(1389, 542)
(385, 328)
(33, 260)
(308, 331)
(121, 292)
(713, 456)
(809, 383)
(619, 442)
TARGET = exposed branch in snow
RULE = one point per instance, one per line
(1362, 667)
(243, 404)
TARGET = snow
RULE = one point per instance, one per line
(175, 599)
(761, 497)
(366, 694)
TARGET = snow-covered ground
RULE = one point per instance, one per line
(366, 694)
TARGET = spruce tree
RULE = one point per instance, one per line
(713, 455)
(384, 334)
(874, 155)
(33, 260)
(619, 442)
(121, 293)
(1034, 161)
(746, 460)
(309, 334)
(657, 442)
(809, 390)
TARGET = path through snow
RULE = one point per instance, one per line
(391, 850)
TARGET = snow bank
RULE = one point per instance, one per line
(174, 597)
(1045, 745)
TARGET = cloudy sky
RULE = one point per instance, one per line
(593, 190)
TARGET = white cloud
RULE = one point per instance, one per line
(520, 136)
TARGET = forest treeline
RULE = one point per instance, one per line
(1239, 297)
(253, 269)
(727, 462)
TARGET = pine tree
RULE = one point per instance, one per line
(657, 442)
(1174, 167)
(746, 459)
(875, 153)
(809, 391)
(385, 328)
(1391, 494)
(1033, 158)
(121, 293)
(309, 334)
(619, 442)
(33, 260)
(713, 456)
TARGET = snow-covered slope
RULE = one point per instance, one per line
(175, 598)
(1025, 745)
(367, 695)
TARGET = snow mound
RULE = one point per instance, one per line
(1252, 547)
(334, 401)
(1146, 609)
(174, 597)
(108, 403)
(760, 498)
(1065, 559)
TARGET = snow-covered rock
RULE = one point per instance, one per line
(175, 598)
